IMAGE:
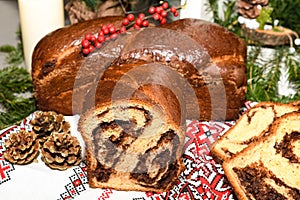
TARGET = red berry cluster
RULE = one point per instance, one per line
(107, 32)
(160, 13)
(140, 21)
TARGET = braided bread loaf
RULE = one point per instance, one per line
(209, 58)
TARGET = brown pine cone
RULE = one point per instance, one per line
(21, 148)
(44, 123)
(61, 151)
(250, 8)
(78, 11)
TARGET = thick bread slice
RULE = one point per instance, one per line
(251, 126)
(269, 168)
(132, 146)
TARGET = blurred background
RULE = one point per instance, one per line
(9, 21)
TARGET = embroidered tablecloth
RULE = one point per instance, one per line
(203, 177)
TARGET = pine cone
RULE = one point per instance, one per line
(44, 123)
(250, 8)
(61, 151)
(78, 11)
(21, 148)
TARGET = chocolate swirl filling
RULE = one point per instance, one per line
(111, 139)
(164, 161)
(285, 147)
(253, 178)
(115, 147)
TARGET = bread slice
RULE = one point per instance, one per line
(251, 126)
(132, 145)
(270, 167)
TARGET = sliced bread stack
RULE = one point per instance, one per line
(261, 153)
(251, 126)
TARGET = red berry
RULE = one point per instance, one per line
(165, 5)
(130, 17)
(163, 13)
(93, 38)
(145, 23)
(138, 21)
(123, 29)
(100, 33)
(85, 43)
(176, 14)
(107, 38)
(112, 29)
(101, 38)
(125, 22)
(106, 31)
(163, 21)
(141, 16)
(109, 26)
(151, 10)
(156, 16)
(136, 26)
(98, 45)
(91, 48)
(104, 27)
(88, 36)
(86, 51)
(158, 9)
(173, 9)
(114, 36)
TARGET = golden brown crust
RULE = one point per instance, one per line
(55, 62)
(146, 82)
(57, 66)
(217, 40)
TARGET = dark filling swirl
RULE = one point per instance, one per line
(285, 147)
(252, 179)
(166, 160)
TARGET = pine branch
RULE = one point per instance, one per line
(230, 14)
(263, 76)
(14, 83)
(287, 13)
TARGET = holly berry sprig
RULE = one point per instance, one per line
(110, 32)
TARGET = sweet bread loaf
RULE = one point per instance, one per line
(250, 127)
(269, 167)
(132, 145)
(56, 60)
(135, 136)
(210, 58)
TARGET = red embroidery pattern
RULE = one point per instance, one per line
(78, 183)
(105, 194)
(203, 178)
(5, 167)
